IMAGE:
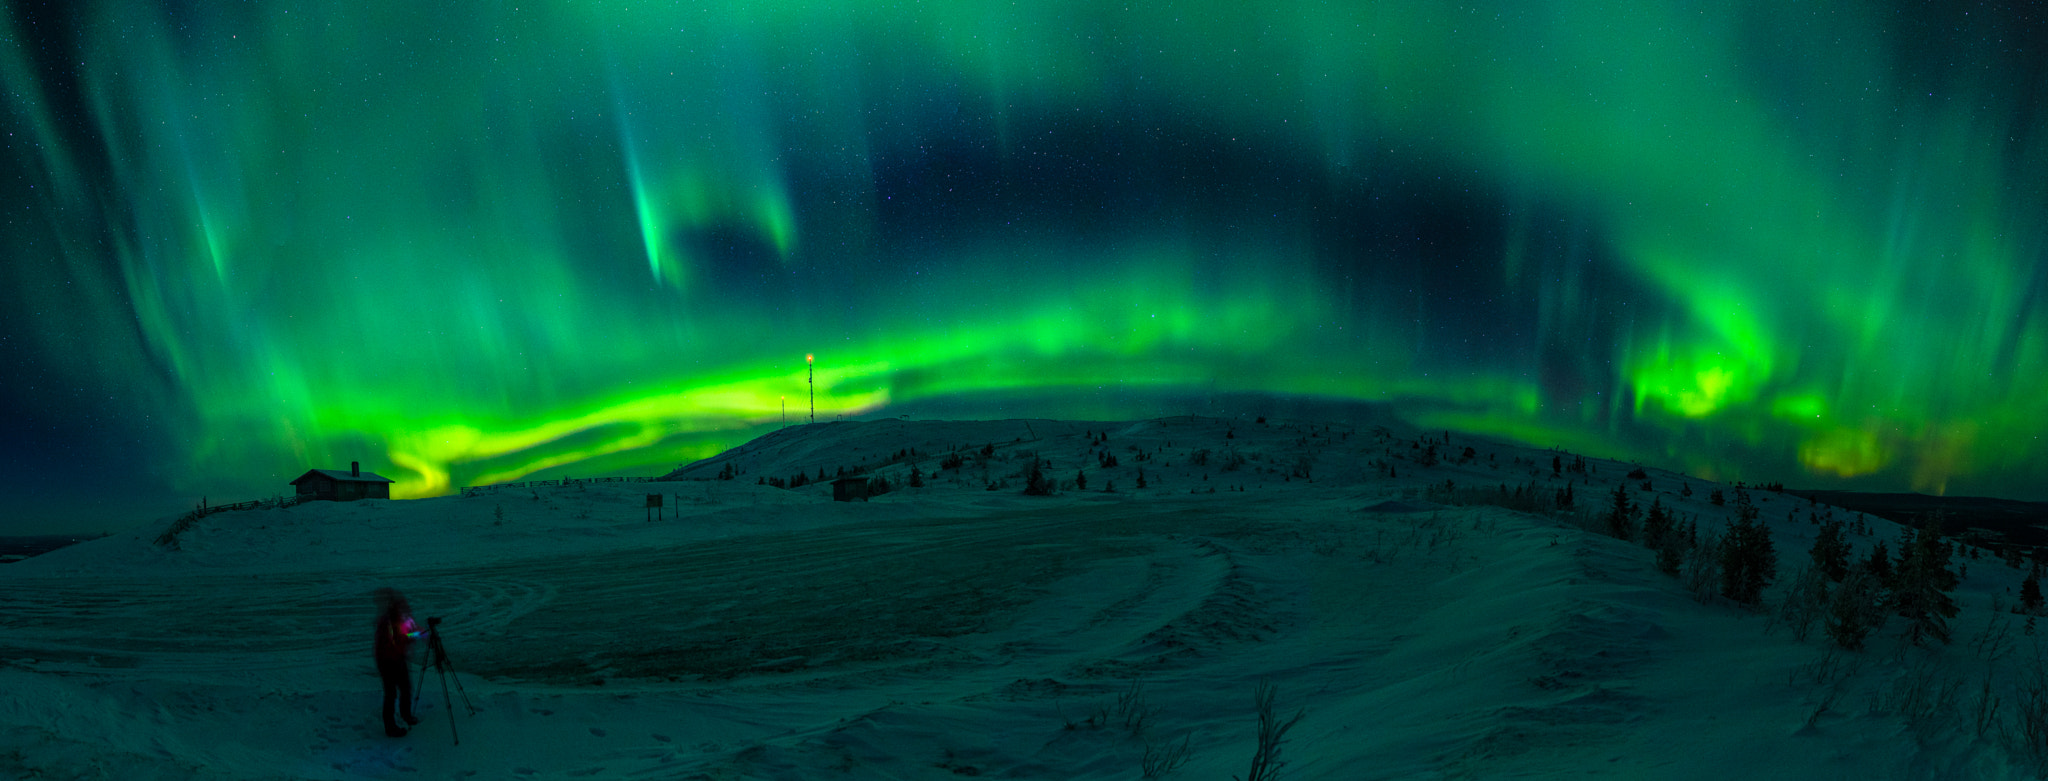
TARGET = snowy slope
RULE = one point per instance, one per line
(761, 632)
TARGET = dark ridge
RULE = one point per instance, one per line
(2023, 523)
(17, 548)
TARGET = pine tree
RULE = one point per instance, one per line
(1670, 556)
(1656, 525)
(1080, 480)
(2030, 592)
(1748, 561)
(1924, 596)
(1831, 551)
(1620, 520)
(916, 477)
(1855, 609)
(1035, 483)
(1880, 565)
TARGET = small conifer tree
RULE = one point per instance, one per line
(1620, 516)
(1748, 561)
(1924, 595)
(1656, 525)
(1831, 551)
(1035, 483)
(1880, 564)
(2030, 592)
(1670, 557)
(1855, 609)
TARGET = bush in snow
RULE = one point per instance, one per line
(1701, 571)
(1804, 603)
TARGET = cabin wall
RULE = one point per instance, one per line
(318, 487)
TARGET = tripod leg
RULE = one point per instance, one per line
(450, 665)
(445, 699)
(425, 662)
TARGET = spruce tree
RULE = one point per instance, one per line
(1656, 525)
(1855, 609)
(1748, 561)
(1035, 483)
(1620, 522)
(1880, 564)
(1924, 596)
(1670, 557)
(1831, 551)
(2030, 592)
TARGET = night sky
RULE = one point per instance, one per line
(466, 242)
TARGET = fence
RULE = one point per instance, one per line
(169, 538)
(477, 490)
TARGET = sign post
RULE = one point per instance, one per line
(653, 505)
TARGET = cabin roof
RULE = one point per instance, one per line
(342, 475)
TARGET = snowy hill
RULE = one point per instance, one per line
(1376, 578)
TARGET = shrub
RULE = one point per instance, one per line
(1266, 762)
(1805, 602)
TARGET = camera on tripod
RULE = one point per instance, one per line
(437, 660)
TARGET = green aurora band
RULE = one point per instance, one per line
(484, 240)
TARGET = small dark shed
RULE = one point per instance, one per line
(847, 489)
(340, 486)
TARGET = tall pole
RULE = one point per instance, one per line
(785, 410)
(811, 379)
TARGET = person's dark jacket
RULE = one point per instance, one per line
(395, 633)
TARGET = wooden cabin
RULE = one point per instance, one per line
(847, 489)
(340, 486)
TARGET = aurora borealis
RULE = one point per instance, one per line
(465, 242)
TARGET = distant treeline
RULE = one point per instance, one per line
(2018, 522)
(14, 548)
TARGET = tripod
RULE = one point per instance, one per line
(437, 658)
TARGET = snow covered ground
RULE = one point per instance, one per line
(952, 630)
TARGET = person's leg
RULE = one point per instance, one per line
(395, 687)
(405, 696)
